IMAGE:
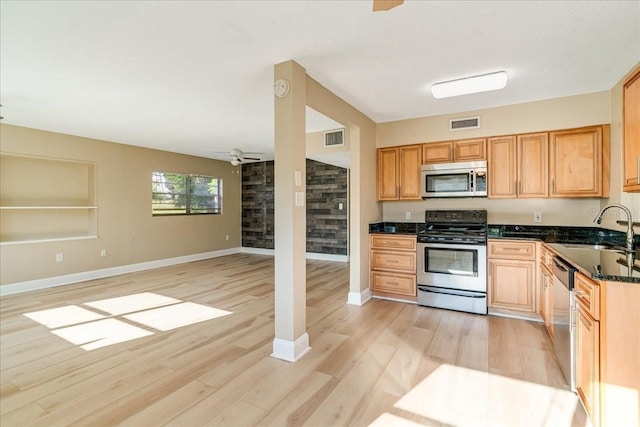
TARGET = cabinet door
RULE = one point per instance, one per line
(547, 301)
(439, 152)
(387, 174)
(588, 364)
(409, 172)
(502, 167)
(576, 162)
(532, 165)
(631, 142)
(512, 285)
(470, 150)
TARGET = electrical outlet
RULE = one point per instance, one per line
(407, 215)
(537, 217)
(59, 257)
(103, 252)
(226, 237)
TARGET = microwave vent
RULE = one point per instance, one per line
(464, 123)
(334, 138)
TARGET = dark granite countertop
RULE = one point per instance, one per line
(394, 227)
(597, 264)
(602, 264)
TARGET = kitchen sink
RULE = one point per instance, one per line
(593, 247)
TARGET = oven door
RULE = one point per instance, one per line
(453, 266)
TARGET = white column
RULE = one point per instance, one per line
(291, 340)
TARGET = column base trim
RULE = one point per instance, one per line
(291, 351)
(359, 298)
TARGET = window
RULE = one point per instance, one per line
(185, 194)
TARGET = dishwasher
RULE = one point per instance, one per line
(564, 319)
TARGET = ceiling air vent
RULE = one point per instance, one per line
(464, 123)
(334, 138)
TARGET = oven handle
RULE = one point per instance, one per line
(420, 288)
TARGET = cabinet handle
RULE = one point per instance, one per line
(638, 174)
(553, 186)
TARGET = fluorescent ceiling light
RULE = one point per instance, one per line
(474, 84)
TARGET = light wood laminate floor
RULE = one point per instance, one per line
(385, 363)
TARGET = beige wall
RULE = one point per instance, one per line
(126, 227)
(363, 207)
(630, 200)
(560, 113)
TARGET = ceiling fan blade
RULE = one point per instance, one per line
(250, 158)
(382, 5)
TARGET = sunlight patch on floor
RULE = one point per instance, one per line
(387, 419)
(63, 316)
(102, 333)
(131, 303)
(176, 316)
(91, 330)
(460, 396)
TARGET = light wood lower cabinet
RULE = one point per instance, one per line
(546, 300)
(608, 351)
(393, 266)
(545, 291)
(588, 363)
(512, 276)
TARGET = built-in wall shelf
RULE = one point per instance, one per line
(46, 199)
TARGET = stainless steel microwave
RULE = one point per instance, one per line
(464, 179)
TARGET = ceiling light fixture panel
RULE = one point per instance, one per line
(467, 85)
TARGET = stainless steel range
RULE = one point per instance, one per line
(452, 260)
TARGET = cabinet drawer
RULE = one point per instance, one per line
(587, 294)
(396, 243)
(401, 284)
(512, 249)
(404, 262)
(546, 259)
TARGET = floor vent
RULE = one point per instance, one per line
(334, 138)
(464, 123)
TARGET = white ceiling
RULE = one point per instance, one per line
(196, 77)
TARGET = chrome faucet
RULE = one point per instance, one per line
(630, 236)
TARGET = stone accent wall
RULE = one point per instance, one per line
(326, 224)
(257, 205)
(326, 188)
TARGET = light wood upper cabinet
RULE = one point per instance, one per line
(388, 188)
(579, 162)
(454, 151)
(631, 141)
(437, 152)
(469, 150)
(399, 172)
(518, 166)
(409, 172)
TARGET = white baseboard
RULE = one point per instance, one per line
(257, 251)
(50, 282)
(291, 351)
(309, 255)
(359, 298)
(328, 257)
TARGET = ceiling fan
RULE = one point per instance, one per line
(238, 156)
(382, 5)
